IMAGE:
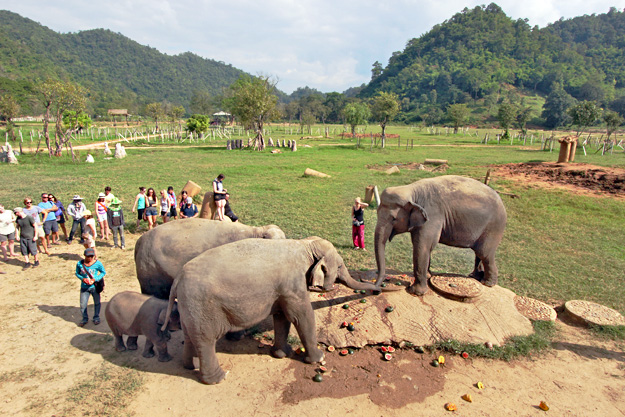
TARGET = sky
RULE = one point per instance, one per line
(329, 45)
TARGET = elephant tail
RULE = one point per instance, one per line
(170, 305)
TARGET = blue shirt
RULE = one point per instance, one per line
(46, 206)
(97, 272)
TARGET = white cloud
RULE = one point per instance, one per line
(327, 44)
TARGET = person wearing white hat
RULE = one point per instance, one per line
(100, 211)
(76, 210)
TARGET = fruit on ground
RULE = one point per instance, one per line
(317, 378)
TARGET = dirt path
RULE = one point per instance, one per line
(47, 364)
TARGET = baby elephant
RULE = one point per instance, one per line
(133, 314)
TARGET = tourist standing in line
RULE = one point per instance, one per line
(189, 210)
(61, 216)
(7, 232)
(49, 218)
(100, 212)
(139, 205)
(28, 236)
(115, 217)
(165, 205)
(76, 210)
(34, 212)
(108, 196)
(151, 208)
(173, 212)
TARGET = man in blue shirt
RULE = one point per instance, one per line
(189, 210)
(49, 220)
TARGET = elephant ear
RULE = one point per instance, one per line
(418, 216)
(317, 275)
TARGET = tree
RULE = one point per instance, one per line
(506, 115)
(384, 109)
(253, 102)
(9, 109)
(612, 121)
(523, 116)
(201, 103)
(59, 96)
(176, 113)
(356, 114)
(154, 111)
(376, 71)
(198, 123)
(458, 113)
(76, 120)
(584, 114)
(555, 107)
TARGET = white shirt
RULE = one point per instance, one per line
(6, 222)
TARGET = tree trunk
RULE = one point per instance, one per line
(383, 139)
(46, 133)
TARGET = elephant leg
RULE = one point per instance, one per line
(486, 253)
(210, 371)
(421, 265)
(119, 343)
(163, 355)
(131, 342)
(148, 350)
(478, 269)
(188, 352)
(235, 336)
(303, 317)
(281, 326)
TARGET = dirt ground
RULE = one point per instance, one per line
(49, 365)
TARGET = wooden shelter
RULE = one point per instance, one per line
(118, 112)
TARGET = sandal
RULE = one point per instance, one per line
(96, 322)
(82, 324)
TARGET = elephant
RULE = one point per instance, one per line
(453, 210)
(133, 314)
(161, 253)
(239, 284)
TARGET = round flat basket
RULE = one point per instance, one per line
(594, 313)
(456, 287)
(534, 309)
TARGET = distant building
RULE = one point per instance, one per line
(118, 112)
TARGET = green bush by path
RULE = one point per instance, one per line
(558, 246)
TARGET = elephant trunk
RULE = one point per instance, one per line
(381, 236)
(346, 279)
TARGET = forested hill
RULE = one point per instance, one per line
(480, 53)
(118, 71)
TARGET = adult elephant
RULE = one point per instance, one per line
(216, 295)
(453, 210)
(161, 253)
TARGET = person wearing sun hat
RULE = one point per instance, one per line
(100, 214)
(358, 224)
(88, 272)
(115, 218)
(76, 210)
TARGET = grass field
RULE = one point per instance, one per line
(558, 246)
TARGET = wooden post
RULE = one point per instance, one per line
(376, 194)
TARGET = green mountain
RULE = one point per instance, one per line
(117, 71)
(480, 55)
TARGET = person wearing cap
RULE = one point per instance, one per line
(115, 219)
(28, 236)
(76, 210)
(49, 218)
(100, 214)
(358, 224)
(88, 271)
(7, 232)
(189, 210)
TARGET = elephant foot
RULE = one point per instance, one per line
(213, 378)
(281, 353)
(132, 343)
(148, 354)
(165, 358)
(417, 289)
(189, 366)
(315, 356)
(478, 275)
(235, 336)
(120, 348)
(491, 282)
